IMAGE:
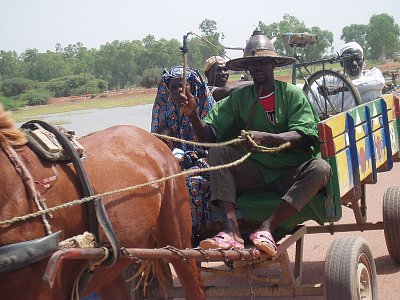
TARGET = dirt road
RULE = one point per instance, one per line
(316, 246)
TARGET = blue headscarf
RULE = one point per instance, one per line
(165, 114)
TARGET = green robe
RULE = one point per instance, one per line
(293, 113)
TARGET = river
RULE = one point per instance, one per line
(86, 121)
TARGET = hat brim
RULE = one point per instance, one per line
(240, 64)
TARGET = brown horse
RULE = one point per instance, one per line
(115, 158)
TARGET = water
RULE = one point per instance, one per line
(87, 121)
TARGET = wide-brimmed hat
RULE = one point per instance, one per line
(258, 47)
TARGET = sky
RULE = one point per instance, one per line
(41, 24)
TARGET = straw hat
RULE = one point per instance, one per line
(258, 47)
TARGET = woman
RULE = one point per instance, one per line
(167, 120)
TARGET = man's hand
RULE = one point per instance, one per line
(258, 137)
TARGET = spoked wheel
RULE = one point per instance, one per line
(350, 271)
(391, 222)
(331, 93)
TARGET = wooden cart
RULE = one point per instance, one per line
(358, 144)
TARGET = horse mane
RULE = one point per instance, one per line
(9, 134)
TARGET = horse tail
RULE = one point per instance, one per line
(152, 269)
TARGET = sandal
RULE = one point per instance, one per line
(221, 241)
(264, 241)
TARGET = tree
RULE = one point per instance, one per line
(43, 66)
(116, 63)
(159, 55)
(208, 27)
(10, 65)
(291, 24)
(355, 33)
(382, 36)
(204, 46)
(78, 57)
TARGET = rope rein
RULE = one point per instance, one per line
(160, 180)
(245, 135)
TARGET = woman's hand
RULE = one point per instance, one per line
(186, 103)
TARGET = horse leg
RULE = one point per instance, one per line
(175, 229)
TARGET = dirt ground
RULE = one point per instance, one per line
(111, 94)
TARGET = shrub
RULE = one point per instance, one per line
(150, 78)
(76, 85)
(10, 104)
(36, 97)
(15, 86)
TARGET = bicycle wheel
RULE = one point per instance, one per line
(331, 93)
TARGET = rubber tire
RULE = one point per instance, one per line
(339, 79)
(345, 258)
(391, 222)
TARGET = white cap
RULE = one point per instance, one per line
(352, 45)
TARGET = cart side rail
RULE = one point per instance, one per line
(358, 144)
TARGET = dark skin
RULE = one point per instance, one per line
(353, 66)
(218, 75)
(263, 76)
(175, 90)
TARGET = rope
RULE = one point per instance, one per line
(206, 145)
(130, 188)
(160, 180)
(245, 135)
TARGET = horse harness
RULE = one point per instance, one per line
(21, 254)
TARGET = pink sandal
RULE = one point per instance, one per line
(221, 241)
(264, 241)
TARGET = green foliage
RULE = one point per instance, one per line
(208, 27)
(382, 36)
(291, 24)
(10, 104)
(150, 78)
(116, 63)
(355, 33)
(10, 65)
(15, 86)
(159, 55)
(201, 48)
(43, 66)
(74, 85)
(72, 70)
(36, 97)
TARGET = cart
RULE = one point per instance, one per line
(358, 144)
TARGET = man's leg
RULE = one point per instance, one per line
(226, 182)
(299, 186)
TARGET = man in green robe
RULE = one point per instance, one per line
(274, 113)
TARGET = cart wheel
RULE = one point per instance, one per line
(350, 271)
(391, 222)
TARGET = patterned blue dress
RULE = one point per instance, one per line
(166, 115)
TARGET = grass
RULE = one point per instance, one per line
(100, 103)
